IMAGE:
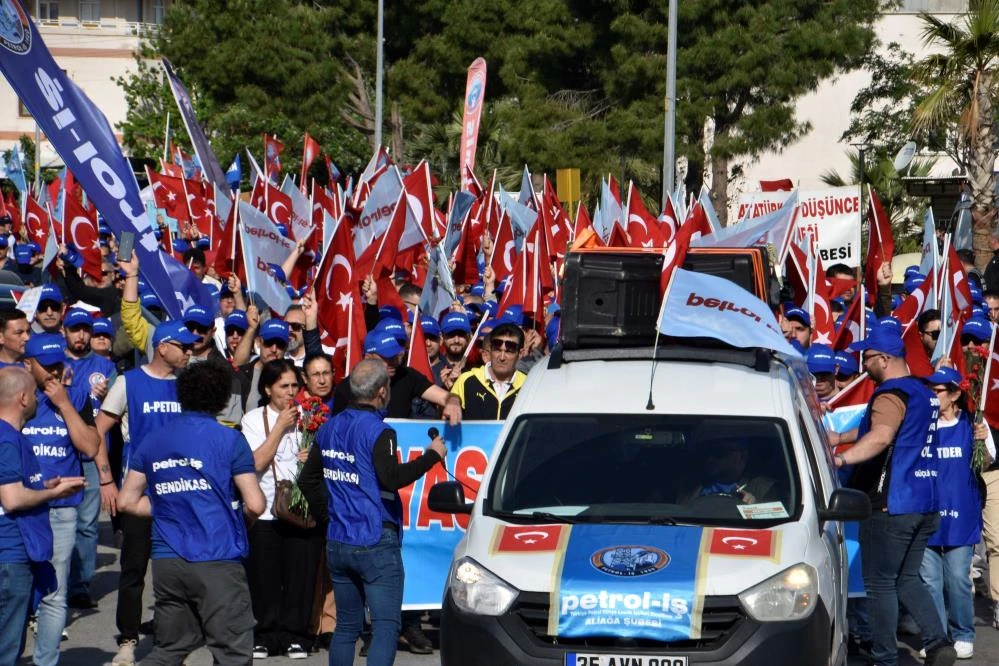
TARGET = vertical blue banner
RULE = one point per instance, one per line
(80, 133)
(429, 538)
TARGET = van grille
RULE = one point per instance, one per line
(720, 618)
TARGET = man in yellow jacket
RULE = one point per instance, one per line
(487, 393)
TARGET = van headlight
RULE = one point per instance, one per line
(790, 595)
(477, 590)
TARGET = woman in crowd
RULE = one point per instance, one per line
(946, 563)
(283, 558)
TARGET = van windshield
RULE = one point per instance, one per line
(638, 468)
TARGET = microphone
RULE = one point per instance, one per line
(433, 433)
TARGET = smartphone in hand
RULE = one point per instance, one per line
(125, 245)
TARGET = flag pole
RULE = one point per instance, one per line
(984, 389)
(166, 138)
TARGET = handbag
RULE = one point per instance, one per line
(281, 507)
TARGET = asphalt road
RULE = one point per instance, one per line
(92, 633)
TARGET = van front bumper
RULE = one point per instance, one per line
(519, 636)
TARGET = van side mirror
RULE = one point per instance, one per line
(847, 504)
(449, 497)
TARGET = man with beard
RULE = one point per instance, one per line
(273, 344)
(201, 323)
(295, 318)
(48, 316)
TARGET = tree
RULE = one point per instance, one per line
(962, 84)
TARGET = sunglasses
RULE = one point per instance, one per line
(844, 378)
(78, 328)
(504, 345)
(298, 328)
(183, 347)
(969, 340)
(935, 335)
(196, 328)
(49, 306)
(232, 330)
(107, 273)
(276, 342)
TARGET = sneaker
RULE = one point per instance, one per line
(81, 601)
(417, 641)
(964, 649)
(260, 652)
(296, 651)
(945, 655)
(126, 653)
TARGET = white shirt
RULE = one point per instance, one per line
(501, 388)
(285, 459)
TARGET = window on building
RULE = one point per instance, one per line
(158, 10)
(48, 10)
(90, 11)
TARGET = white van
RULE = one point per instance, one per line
(696, 524)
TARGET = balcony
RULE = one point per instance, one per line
(106, 26)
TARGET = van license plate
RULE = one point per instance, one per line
(581, 659)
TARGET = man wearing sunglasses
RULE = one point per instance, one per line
(487, 392)
(272, 341)
(142, 400)
(893, 463)
(821, 363)
(48, 315)
(200, 322)
(61, 430)
(929, 330)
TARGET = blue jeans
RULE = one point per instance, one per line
(891, 548)
(947, 572)
(366, 576)
(15, 592)
(52, 609)
(85, 552)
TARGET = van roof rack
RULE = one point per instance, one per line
(696, 350)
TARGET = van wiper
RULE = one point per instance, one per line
(643, 520)
(553, 517)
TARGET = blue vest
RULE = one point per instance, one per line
(357, 506)
(32, 524)
(52, 445)
(90, 371)
(151, 402)
(912, 466)
(957, 487)
(189, 468)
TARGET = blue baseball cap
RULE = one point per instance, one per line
(102, 326)
(430, 326)
(389, 312)
(884, 339)
(180, 245)
(149, 301)
(912, 282)
(978, 329)
(22, 253)
(274, 329)
(173, 331)
(197, 314)
(212, 290)
(104, 230)
(910, 271)
(382, 343)
(46, 348)
(488, 326)
(237, 319)
(515, 313)
(77, 317)
(892, 323)
(277, 272)
(50, 292)
(820, 358)
(799, 314)
(456, 321)
(945, 375)
(976, 292)
(847, 363)
(490, 308)
(204, 242)
(478, 290)
(393, 327)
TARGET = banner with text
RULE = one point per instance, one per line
(429, 538)
(831, 216)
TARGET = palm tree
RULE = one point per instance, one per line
(962, 81)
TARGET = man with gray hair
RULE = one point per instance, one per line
(363, 550)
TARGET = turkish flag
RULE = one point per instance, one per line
(169, 194)
(990, 384)
(421, 199)
(417, 359)
(272, 157)
(528, 538)
(310, 150)
(880, 243)
(742, 543)
(643, 229)
(338, 301)
(80, 229)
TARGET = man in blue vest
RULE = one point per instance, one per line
(25, 532)
(148, 403)
(363, 478)
(92, 374)
(61, 430)
(189, 477)
(893, 462)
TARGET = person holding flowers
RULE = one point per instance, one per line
(284, 557)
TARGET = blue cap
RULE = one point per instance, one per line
(490, 308)
(382, 343)
(892, 323)
(553, 308)
(22, 253)
(212, 290)
(884, 339)
(277, 272)
(77, 317)
(173, 331)
(149, 300)
(430, 326)
(283, 230)
(945, 375)
(104, 230)
(478, 290)
(50, 292)
(912, 282)
(799, 314)
(180, 245)
(820, 358)
(514, 313)
(274, 329)
(204, 242)
(910, 271)
(389, 312)
(978, 329)
(237, 319)
(72, 256)
(456, 321)
(847, 363)
(102, 326)
(393, 327)
(3, 242)
(840, 302)
(197, 314)
(976, 292)
(980, 310)
(46, 348)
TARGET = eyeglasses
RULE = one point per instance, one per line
(941, 389)
(49, 306)
(935, 335)
(298, 328)
(275, 342)
(455, 334)
(78, 328)
(510, 346)
(844, 378)
(867, 359)
(183, 347)
(823, 376)
(232, 330)
(100, 335)
(969, 340)
(196, 328)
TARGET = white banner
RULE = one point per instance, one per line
(263, 245)
(831, 216)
